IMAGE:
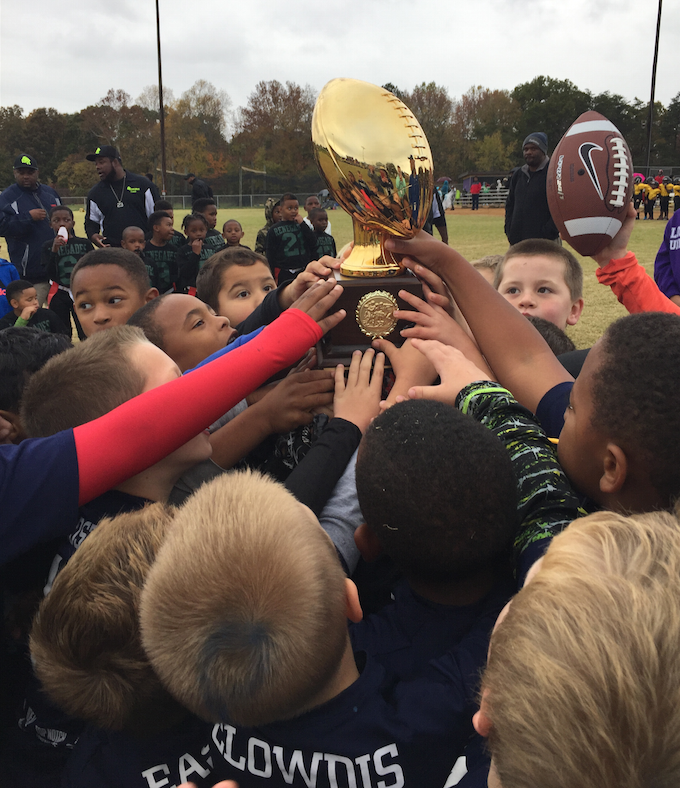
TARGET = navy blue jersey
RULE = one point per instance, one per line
(404, 636)
(376, 732)
(115, 759)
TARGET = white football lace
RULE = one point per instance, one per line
(621, 173)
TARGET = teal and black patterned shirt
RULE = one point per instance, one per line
(547, 502)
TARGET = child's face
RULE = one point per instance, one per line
(232, 233)
(582, 447)
(243, 289)
(158, 368)
(27, 297)
(289, 210)
(535, 285)
(320, 222)
(312, 202)
(164, 230)
(133, 240)
(277, 216)
(104, 296)
(191, 330)
(210, 214)
(61, 219)
(196, 231)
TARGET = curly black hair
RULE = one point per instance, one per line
(438, 489)
(635, 395)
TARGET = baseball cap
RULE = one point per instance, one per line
(25, 161)
(106, 150)
(189, 175)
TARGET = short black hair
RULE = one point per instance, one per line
(555, 338)
(635, 395)
(144, 318)
(235, 221)
(209, 279)
(316, 212)
(438, 490)
(156, 217)
(194, 217)
(16, 288)
(24, 351)
(202, 203)
(123, 258)
(56, 208)
(287, 196)
(162, 205)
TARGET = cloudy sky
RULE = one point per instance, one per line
(67, 55)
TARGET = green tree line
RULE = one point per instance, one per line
(483, 130)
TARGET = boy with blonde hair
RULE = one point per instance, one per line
(542, 279)
(87, 652)
(244, 619)
(583, 682)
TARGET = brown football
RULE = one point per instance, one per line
(590, 183)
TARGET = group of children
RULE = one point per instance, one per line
(228, 564)
(647, 191)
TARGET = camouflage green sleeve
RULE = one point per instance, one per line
(546, 500)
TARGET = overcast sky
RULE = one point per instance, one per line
(67, 55)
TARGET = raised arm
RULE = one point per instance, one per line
(517, 353)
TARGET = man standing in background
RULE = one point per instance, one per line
(526, 210)
(121, 199)
(25, 222)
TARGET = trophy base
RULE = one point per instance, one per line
(369, 303)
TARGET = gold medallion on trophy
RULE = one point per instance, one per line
(377, 164)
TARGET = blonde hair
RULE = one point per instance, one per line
(83, 384)
(243, 614)
(85, 639)
(490, 261)
(584, 678)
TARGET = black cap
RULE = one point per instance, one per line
(25, 162)
(106, 150)
(189, 175)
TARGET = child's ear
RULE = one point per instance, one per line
(615, 470)
(353, 606)
(152, 293)
(481, 720)
(367, 543)
(16, 433)
(575, 314)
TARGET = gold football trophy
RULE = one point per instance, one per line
(377, 164)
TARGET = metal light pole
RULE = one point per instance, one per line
(651, 100)
(160, 99)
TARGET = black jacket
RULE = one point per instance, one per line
(526, 211)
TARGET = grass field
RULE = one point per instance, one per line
(477, 234)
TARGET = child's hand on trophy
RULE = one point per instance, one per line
(453, 367)
(411, 368)
(431, 321)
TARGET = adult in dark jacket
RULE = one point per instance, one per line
(199, 188)
(526, 210)
(24, 221)
(121, 199)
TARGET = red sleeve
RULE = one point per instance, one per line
(147, 428)
(634, 287)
